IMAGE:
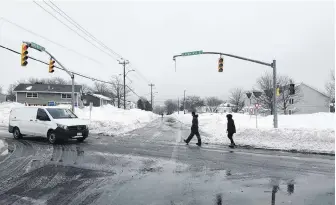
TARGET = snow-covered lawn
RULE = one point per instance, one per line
(306, 132)
(110, 120)
(107, 120)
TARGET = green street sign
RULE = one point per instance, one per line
(36, 46)
(192, 53)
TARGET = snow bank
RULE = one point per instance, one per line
(110, 120)
(305, 132)
(107, 120)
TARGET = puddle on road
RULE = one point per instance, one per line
(176, 183)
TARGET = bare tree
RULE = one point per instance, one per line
(86, 88)
(171, 106)
(285, 100)
(193, 102)
(100, 88)
(237, 99)
(265, 84)
(118, 89)
(213, 103)
(330, 87)
(58, 81)
(10, 92)
(0, 89)
(54, 80)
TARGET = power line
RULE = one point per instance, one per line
(51, 41)
(71, 20)
(75, 73)
(74, 31)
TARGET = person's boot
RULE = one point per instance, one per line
(198, 144)
(186, 141)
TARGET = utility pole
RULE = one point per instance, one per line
(151, 85)
(124, 62)
(178, 105)
(184, 102)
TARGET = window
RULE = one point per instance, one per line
(66, 96)
(42, 115)
(31, 95)
(291, 101)
(290, 112)
(60, 113)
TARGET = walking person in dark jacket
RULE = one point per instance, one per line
(231, 128)
(194, 130)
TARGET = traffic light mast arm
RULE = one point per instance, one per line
(66, 70)
(233, 56)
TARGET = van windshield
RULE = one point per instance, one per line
(60, 113)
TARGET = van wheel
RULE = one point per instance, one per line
(16, 133)
(51, 137)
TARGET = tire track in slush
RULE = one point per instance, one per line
(24, 157)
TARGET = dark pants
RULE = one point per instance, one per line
(230, 136)
(194, 132)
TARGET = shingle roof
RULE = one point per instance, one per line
(46, 88)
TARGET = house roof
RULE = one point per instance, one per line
(100, 96)
(52, 88)
(322, 93)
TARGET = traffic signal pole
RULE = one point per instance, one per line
(272, 65)
(72, 80)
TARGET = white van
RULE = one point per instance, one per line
(52, 122)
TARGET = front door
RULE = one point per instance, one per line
(42, 122)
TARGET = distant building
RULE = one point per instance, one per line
(225, 108)
(308, 100)
(311, 101)
(2, 98)
(97, 100)
(46, 94)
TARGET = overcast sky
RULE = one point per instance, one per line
(299, 35)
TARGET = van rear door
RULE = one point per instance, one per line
(26, 117)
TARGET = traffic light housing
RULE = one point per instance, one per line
(24, 53)
(292, 89)
(277, 91)
(220, 64)
(51, 65)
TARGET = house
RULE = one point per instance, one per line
(311, 100)
(222, 108)
(97, 100)
(307, 100)
(46, 94)
(2, 98)
(225, 108)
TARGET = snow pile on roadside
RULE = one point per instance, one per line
(107, 120)
(5, 109)
(305, 132)
(110, 120)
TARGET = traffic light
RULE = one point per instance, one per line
(278, 91)
(291, 89)
(24, 53)
(51, 65)
(220, 64)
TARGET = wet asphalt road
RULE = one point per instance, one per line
(152, 166)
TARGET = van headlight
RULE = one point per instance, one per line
(62, 126)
